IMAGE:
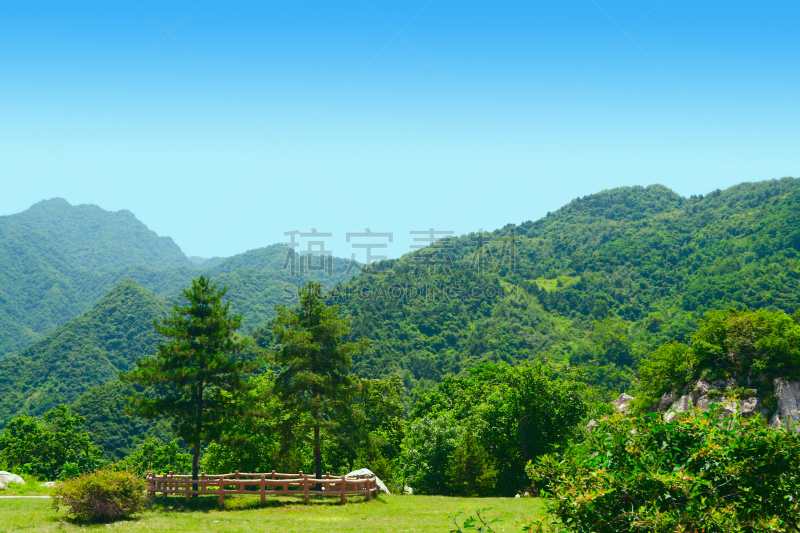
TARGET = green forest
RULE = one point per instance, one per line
(468, 368)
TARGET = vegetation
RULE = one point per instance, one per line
(154, 456)
(315, 368)
(196, 372)
(699, 473)
(100, 497)
(750, 347)
(55, 448)
(473, 435)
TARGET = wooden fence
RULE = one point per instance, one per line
(263, 484)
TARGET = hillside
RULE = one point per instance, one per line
(599, 283)
(58, 260)
(87, 351)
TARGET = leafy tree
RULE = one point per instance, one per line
(694, 474)
(54, 448)
(470, 471)
(196, 374)
(154, 456)
(315, 365)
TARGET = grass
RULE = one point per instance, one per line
(552, 284)
(283, 515)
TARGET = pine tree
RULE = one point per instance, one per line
(315, 360)
(196, 374)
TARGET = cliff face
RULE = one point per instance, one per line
(781, 407)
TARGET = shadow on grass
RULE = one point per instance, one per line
(206, 504)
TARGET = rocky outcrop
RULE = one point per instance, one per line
(622, 402)
(8, 477)
(787, 393)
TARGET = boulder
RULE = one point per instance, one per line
(750, 406)
(367, 472)
(8, 477)
(621, 403)
(49, 484)
(591, 425)
(704, 404)
(788, 395)
(723, 383)
(666, 400)
(408, 490)
(703, 386)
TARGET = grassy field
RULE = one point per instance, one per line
(241, 513)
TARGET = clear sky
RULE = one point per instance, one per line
(225, 124)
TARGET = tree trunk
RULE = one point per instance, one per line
(198, 432)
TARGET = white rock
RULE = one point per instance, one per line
(750, 406)
(8, 477)
(591, 425)
(367, 472)
(666, 400)
(517, 496)
(621, 403)
(788, 395)
(50, 484)
(408, 490)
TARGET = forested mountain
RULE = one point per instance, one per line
(599, 283)
(87, 351)
(58, 260)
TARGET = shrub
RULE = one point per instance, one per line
(101, 497)
(152, 456)
(701, 472)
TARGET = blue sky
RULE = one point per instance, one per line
(252, 119)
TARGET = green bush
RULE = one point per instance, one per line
(701, 472)
(152, 456)
(101, 497)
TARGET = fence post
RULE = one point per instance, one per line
(305, 486)
(221, 489)
(263, 490)
(369, 488)
(150, 485)
(202, 486)
(188, 485)
(344, 491)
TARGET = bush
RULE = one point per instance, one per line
(152, 456)
(101, 497)
(701, 472)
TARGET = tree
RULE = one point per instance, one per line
(314, 379)
(196, 374)
(55, 449)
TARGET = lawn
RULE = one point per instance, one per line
(242, 513)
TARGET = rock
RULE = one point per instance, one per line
(366, 472)
(49, 484)
(517, 496)
(788, 395)
(621, 403)
(703, 386)
(8, 477)
(723, 383)
(669, 417)
(666, 400)
(526, 494)
(408, 490)
(704, 404)
(591, 425)
(750, 406)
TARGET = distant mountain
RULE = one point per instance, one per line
(87, 351)
(57, 260)
(598, 283)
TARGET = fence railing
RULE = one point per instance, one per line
(264, 484)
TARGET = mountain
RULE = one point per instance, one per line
(598, 283)
(87, 351)
(58, 260)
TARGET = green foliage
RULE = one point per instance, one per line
(480, 524)
(88, 351)
(469, 471)
(154, 456)
(103, 496)
(54, 448)
(516, 414)
(315, 367)
(193, 372)
(699, 473)
(752, 347)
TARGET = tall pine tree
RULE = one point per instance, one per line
(315, 360)
(196, 374)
